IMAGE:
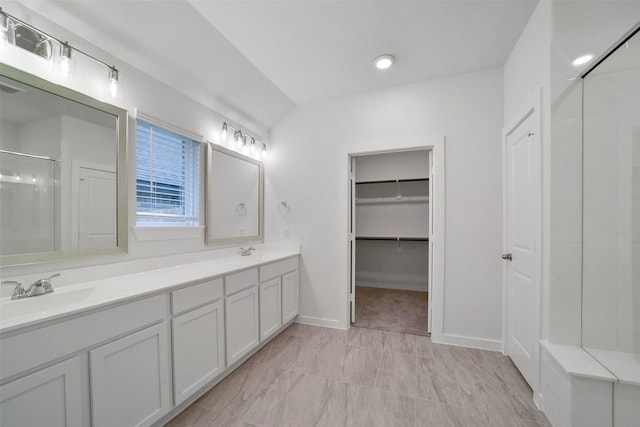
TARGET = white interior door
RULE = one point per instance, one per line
(522, 243)
(352, 239)
(97, 209)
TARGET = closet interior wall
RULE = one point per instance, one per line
(392, 220)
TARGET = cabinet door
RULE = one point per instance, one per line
(198, 349)
(270, 311)
(49, 397)
(241, 312)
(130, 379)
(289, 296)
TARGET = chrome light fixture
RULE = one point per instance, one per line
(244, 141)
(16, 32)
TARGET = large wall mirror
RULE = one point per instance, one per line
(234, 202)
(63, 185)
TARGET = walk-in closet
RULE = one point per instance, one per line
(390, 258)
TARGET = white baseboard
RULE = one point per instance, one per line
(463, 341)
(317, 321)
(393, 286)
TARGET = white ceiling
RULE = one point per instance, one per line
(254, 61)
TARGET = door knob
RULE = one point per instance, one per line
(507, 257)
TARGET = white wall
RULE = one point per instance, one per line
(308, 167)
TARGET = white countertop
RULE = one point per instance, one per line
(69, 300)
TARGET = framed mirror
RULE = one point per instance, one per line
(235, 192)
(63, 181)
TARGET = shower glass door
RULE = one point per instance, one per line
(27, 199)
(611, 211)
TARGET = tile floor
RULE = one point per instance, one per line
(392, 310)
(312, 376)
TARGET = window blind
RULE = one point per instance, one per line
(167, 177)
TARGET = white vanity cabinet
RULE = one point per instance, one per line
(241, 314)
(290, 296)
(48, 397)
(270, 307)
(198, 337)
(124, 379)
(130, 379)
(278, 295)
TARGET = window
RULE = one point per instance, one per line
(167, 178)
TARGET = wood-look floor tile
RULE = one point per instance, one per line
(436, 382)
(328, 361)
(363, 337)
(197, 416)
(397, 373)
(269, 354)
(345, 405)
(424, 347)
(360, 366)
(238, 392)
(399, 342)
(389, 410)
(297, 407)
(430, 413)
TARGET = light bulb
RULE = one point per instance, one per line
(113, 81)
(238, 137)
(253, 145)
(65, 58)
(224, 132)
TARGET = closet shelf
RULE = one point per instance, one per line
(387, 181)
(394, 239)
(389, 200)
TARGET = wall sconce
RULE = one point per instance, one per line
(15, 32)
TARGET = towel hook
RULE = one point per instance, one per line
(241, 209)
(283, 208)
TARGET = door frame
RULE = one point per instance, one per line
(531, 107)
(437, 273)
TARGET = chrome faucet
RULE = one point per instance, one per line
(39, 287)
(247, 252)
(18, 292)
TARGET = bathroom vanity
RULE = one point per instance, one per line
(137, 349)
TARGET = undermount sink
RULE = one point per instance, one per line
(12, 309)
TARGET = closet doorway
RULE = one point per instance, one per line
(389, 241)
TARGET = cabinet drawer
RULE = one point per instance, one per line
(278, 268)
(196, 295)
(236, 282)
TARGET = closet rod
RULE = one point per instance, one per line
(387, 181)
(394, 239)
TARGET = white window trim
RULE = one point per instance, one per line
(172, 232)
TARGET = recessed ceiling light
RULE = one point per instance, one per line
(582, 60)
(383, 62)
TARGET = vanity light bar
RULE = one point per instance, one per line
(8, 27)
(242, 139)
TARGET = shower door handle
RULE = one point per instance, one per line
(507, 257)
